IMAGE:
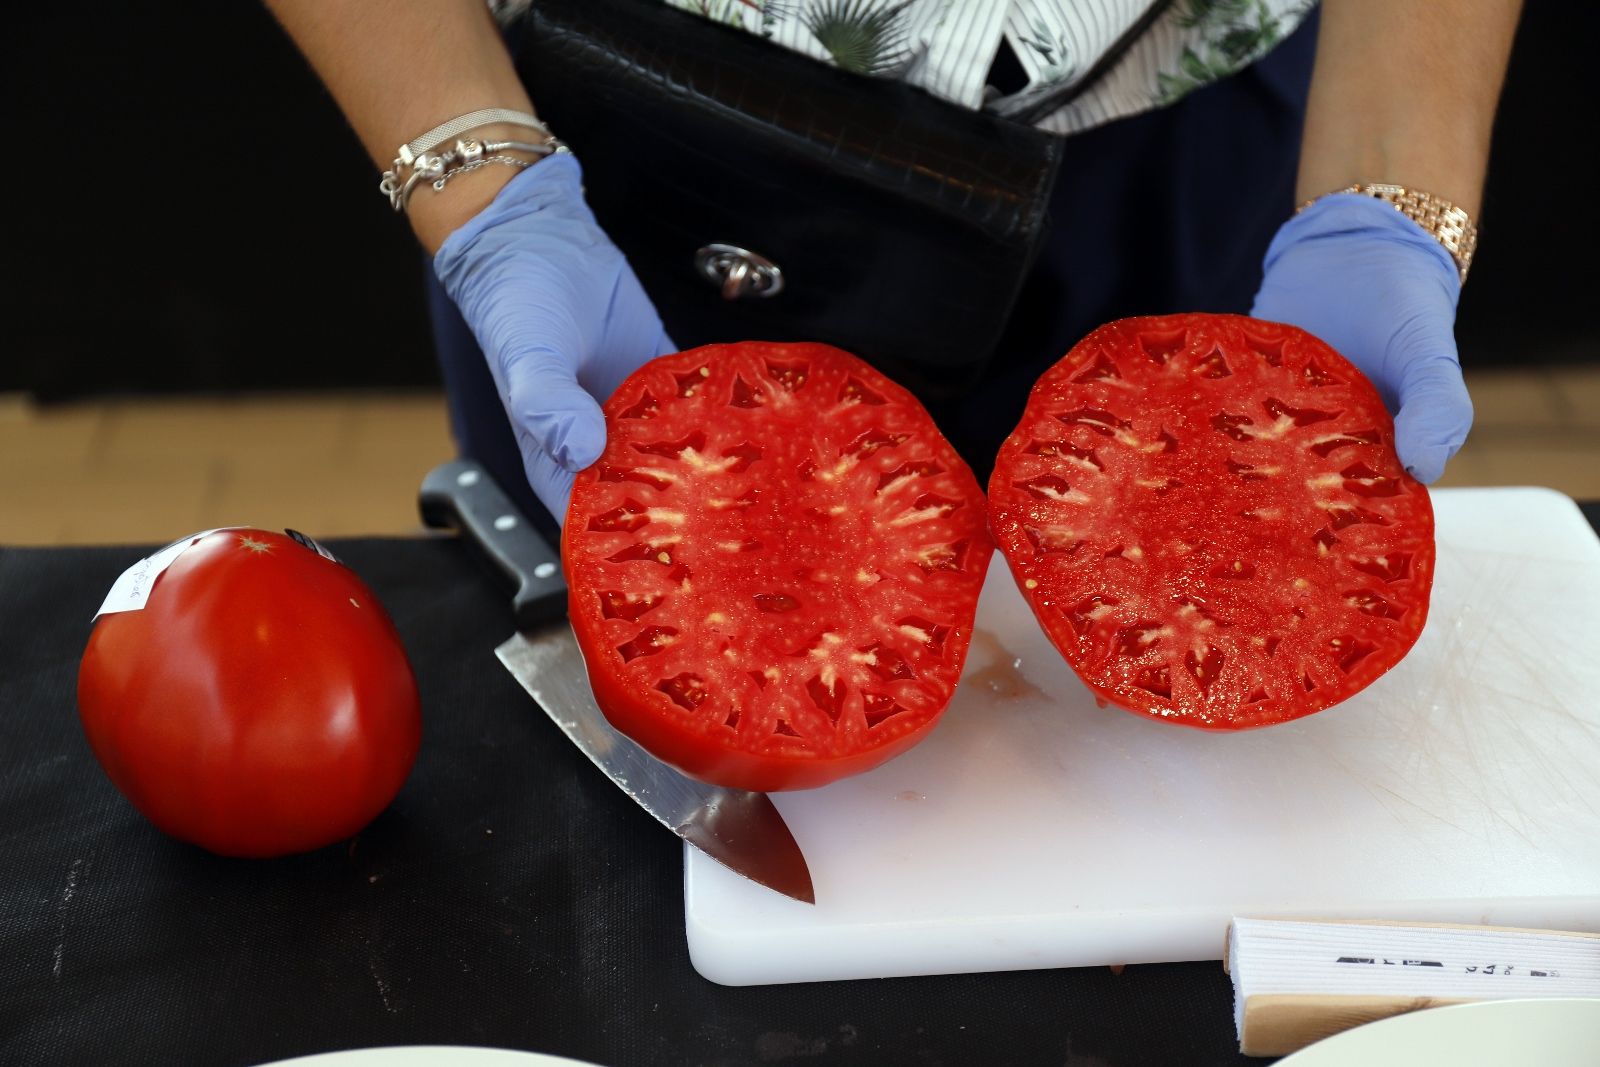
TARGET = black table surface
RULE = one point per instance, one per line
(509, 897)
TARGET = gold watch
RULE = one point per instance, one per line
(1450, 225)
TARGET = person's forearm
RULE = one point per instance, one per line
(1404, 91)
(397, 70)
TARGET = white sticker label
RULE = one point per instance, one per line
(132, 589)
(314, 545)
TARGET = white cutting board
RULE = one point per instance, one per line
(1034, 829)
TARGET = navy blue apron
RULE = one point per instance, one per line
(1166, 211)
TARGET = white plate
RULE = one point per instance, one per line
(430, 1056)
(1561, 1032)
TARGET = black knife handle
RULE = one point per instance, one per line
(461, 495)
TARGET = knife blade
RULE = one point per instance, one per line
(741, 830)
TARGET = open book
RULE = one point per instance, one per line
(1296, 982)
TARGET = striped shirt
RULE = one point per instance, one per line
(949, 47)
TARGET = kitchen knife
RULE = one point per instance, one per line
(739, 829)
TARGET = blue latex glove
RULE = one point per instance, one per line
(1374, 285)
(558, 313)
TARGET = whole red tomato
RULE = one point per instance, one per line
(259, 704)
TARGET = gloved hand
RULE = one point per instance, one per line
(1382, 291)
(558, 313)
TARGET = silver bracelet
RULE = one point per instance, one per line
(425, 165)
(466, 155)
(461, 124)
(510, 161)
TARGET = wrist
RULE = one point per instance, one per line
(1343, 230)
(1405, 92)
(1447, 164)
(1427, 218)
(437, 213)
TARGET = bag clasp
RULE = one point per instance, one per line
(738, 272)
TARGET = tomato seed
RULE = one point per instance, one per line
(775, 603)
(1204, 669)
(1350, 651)
(615, 604)
(1364, 481)
(870, 441)
(688, 383)
(1157, 680)
(1087, 611)
(876, 707)
(1213, 366)
(1101, 422)
(626, 518)
(745, 453)
(909, 469)
(929, 633)
(1327, 445)
(1269, 350)
(1391, 568)
(1299, 416)
(1353, 516)
(828, 696)
(1317, 377)
(1160, 347)
(1370, 603)
(950, 557)
(854, 391)
(647, 408)
(695, 441)
(639, 551)
(688, 691)
(1245, 471)
(743, 395)
(1139, 638)
(1228, 424)
(649, 642)
(1101, 370)
(885, 662)
(1047, 487)
(653, 478)
(789, 375)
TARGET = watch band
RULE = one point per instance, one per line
(1451, 226)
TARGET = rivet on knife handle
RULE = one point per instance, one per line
(461, 495)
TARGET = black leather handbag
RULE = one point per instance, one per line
(760, 194)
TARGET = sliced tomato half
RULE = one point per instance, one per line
(1208, 517)
(775, 565)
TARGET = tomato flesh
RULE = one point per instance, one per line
(1207, 516)
(774, 566)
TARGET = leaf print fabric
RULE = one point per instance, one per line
(948, 46)
(1232, 35)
